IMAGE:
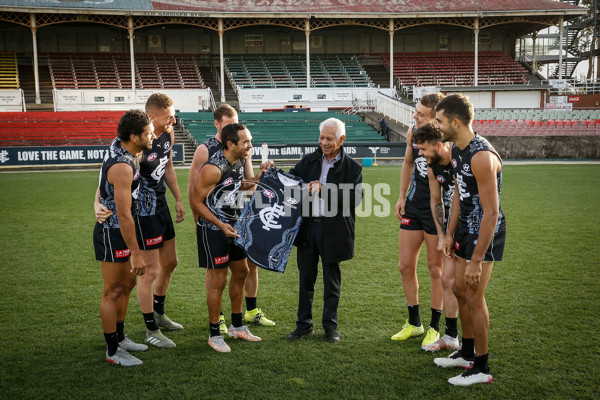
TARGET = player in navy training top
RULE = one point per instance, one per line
(215, 199)
(115, 240)
(417, 226)
(441, 190)
(476, 233)
(156, 233)
(225, 115)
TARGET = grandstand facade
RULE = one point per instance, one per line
(271, 28)
(287, 55)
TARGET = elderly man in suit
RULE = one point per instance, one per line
(334, 181)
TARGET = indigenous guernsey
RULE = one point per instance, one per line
(443, 174)
(223, 200)
(117, 154)
(213, 145)
(152, 197)
(471, 211)
(271, 219)
(418, 194)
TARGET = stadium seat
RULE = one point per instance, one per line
(58, 128)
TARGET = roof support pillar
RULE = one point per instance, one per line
(307, 32)
(391, 53)
(131, 50)
(533, 61)
(476, 31)
(561, 30)
(221, 60)
(36, 72)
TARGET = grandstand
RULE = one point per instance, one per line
(105, 71)
(9, 71)
(282, 127)
(537, 122)
(58, 128)
(456, 69)
(198, 51)
(286, 71)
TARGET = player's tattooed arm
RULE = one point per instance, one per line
(439, 216)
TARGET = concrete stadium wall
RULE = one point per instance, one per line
(547, 147)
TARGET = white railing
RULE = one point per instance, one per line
(394, 109)
(573, 86)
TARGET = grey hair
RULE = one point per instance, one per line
(340, 127)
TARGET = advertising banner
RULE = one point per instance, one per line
(63, 155)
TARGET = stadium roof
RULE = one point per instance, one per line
(379, 8)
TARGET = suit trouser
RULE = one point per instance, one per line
(308, 260)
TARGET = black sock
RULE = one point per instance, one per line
(214, 330)
(236, 320)
(250, 303)
(159, 304)
(112, 343)
(481, 363)
(435, 319)
(121, 330)
(452, 327)
(413, 315)
(468, 348)
(150, 322)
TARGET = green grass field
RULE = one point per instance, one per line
(543, 300)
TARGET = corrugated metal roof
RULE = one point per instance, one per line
(360, 6)
(302, 6)
(84, 4)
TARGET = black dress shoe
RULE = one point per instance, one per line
(332, 335)
(300, 333)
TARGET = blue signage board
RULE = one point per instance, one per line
(63, 155)
(354, 150)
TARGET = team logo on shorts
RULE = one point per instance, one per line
(405, 221)
(136, 175)
(151, 157)
(228, 181)
(154, 241)
(456, 246)
(122, 253)
(269, 193)
(221, 260)
(454, 162)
